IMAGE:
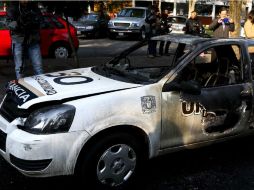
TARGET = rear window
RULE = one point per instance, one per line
(57, 23)
(178, 20)
(3, 23)
(2, 26)
(93, 17)
(46, 23)
(2, 18)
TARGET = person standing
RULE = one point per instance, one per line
(249, 31)
(152, 21)
(23, 20)
(249, 26)
(164, 21)
(223, 25)
(193, 25)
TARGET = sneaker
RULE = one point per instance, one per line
(151, 56)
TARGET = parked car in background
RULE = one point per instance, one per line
(92, 25)
(5, 44)
(54, 37)
(129, 21)
(177, 24)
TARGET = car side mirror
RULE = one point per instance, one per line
(190, 87)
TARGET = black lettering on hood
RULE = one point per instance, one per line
(22, 94)
(45, 85)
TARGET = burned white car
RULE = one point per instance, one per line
(102, 122)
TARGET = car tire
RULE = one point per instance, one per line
(112, 162)
(60, 51)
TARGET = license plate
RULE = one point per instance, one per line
(120, 34)
(78, 32)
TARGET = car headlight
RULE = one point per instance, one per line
(51, 119)
(89, 27)
(110, 23)
(135, 25)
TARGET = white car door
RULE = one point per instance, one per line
(204, 102)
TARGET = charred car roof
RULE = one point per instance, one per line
(193, 40)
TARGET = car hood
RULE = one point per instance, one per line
(63, 86)
(127, 19)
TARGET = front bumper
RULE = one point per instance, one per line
(127, 31)
(177, 32)
(40, 155)
(85, 30)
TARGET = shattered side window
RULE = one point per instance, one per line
(166, 54)
(216, 66)
(136, 65)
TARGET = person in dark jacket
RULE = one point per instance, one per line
(193, 25)
(23, 20)
(151, 20)
(223, 25)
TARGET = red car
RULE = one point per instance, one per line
(54, 37)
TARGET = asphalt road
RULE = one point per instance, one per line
(227, 166)
(102, 47)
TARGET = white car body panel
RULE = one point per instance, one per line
(49, 90)
(62, 148)
(106, 95)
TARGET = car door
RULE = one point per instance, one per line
(210, 99)
(5, 45)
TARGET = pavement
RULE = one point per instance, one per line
(7, 71)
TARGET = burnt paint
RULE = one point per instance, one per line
(223, 101)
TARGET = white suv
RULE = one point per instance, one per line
(129, 21)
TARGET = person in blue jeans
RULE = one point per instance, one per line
(23, 20)
(34, 54)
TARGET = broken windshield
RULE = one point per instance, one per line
(135, 66)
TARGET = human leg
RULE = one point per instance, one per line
(35, 57)
(161, 47)
(167, 47)
(152, 47)
(17, 51)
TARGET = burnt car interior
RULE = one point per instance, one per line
(216, 66)
(218, 82)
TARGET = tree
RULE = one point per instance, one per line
(236, 9)
(191, 6)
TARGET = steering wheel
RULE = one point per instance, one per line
(124, 63)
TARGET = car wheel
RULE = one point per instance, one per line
(112, 162)
(61, 52)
